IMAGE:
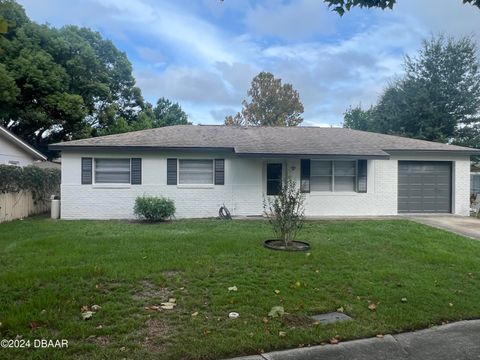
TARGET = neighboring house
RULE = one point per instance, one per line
(342, 172)
(14, 151)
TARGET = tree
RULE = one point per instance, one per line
(272, 104)
(341, 6)
(62, 84)
(437, 99)
(356, 118)
(167, 113)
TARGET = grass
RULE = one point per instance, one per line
(50, 269)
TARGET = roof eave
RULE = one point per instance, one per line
(466, 152)
(19, 142)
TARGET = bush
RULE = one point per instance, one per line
(153, 208)
(41, 182)
(286, 212)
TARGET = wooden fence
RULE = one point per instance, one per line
(19, 205)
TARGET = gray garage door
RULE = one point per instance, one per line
(424, 186)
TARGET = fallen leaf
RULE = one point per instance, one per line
(34, 325)
(277, 291)
(276, 311)
(282, 333)
(167, 305)
(123, 348)
(265, 320)
(172, 300)
(372, 306)
(404, 300)
(195, 313)
(341, 309)
(84, 308)
(96, 307)
(87, 315)
(380, 336)
(450, 304)
(308, 254)
(333, 341)
(232, 288)
(99, 327)
(317, 271)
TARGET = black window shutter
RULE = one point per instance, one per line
(86, 170)
(172, 171)
(362, 176)
(136, 171)
(305, 175)
(219, 172)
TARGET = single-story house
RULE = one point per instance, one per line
(14, 151)
(342, 172)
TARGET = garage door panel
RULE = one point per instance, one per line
(424, 187)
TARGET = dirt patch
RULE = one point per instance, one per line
(296, 320)
(149, 291)
(101, 341)
(157, 333)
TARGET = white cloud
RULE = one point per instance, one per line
(295, 20)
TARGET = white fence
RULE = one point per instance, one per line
(19, 205)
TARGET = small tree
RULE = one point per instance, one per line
(286, 212)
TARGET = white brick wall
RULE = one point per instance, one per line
(241, 192)
(243, 189)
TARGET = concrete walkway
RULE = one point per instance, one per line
(456, 341)
(461, 225)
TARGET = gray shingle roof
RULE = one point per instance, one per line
(264, 140)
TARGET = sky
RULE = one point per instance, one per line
(203, 54)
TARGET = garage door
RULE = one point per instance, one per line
(424, 187)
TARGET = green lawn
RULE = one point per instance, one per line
(50, 269)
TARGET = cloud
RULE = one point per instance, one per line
(204, 54)
(295, 20)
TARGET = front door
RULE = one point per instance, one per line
(274, 178)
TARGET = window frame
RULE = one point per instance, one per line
(192, 184)
(94, 172)
(332, 190)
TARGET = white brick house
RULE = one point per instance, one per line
(343, 172)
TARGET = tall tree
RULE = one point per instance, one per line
(61, 84)
(272, 104)
(167, 113)
(437, 99)
(341, 6)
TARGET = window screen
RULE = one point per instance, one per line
(321, 176)
(112, 171)
(332, 175)
(344, 175)
(195, 172)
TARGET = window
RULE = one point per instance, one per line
(195, 172)
(274, 179)
(333, 175)
(112, 171)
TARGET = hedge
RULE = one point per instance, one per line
(41, 182)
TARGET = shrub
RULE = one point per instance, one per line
(42, 183)
(286, 212)
(153, 208)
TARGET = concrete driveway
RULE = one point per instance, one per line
(461, 225)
